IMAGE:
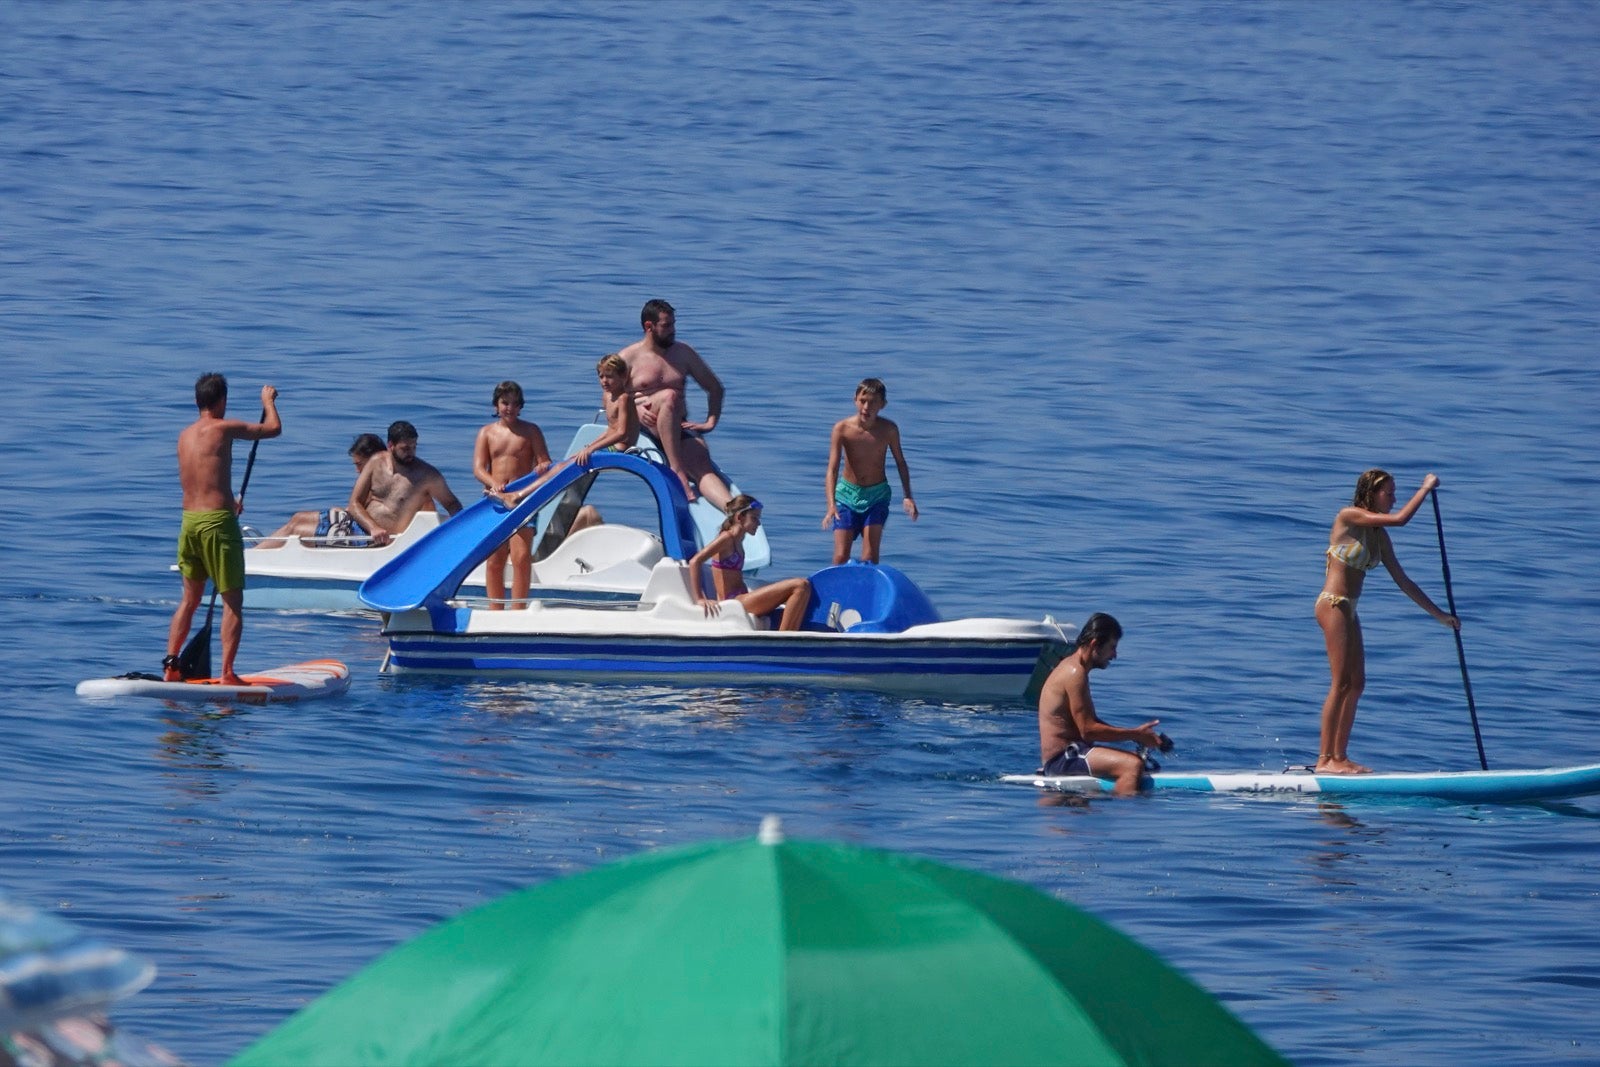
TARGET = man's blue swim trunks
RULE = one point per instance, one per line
(857, 508)
(337, 522)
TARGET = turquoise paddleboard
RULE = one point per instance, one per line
(1550, 783)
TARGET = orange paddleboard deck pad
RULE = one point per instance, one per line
(294, 681)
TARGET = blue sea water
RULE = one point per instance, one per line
(1150, 284)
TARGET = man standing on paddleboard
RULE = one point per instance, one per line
(1071, 734)
(210, 543)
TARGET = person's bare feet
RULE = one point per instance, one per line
(1340, 765)
(233, 679)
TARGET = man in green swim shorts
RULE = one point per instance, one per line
(210, 544)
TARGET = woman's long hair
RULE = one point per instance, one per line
(1367, 487)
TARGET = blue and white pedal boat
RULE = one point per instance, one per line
(868, 627)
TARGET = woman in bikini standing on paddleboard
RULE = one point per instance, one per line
(1358, 543)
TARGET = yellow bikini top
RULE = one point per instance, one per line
(1354, 553)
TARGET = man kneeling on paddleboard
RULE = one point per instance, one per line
(1071, 736)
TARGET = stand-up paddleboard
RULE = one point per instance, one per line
(294, 681)
(708, 518)
(1552, 783)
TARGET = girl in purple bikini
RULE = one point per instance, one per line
(726, 555)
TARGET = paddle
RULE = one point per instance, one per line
(195, 659)
(1461, 651)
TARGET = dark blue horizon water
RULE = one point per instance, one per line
(1150, 284)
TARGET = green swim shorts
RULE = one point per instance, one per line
(211, 545)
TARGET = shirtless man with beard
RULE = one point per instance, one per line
(395, 485)
(659, 367)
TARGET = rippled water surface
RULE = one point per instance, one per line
(1150, 285)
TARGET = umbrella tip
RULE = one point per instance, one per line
(771, 832)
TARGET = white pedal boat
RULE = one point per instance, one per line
(600, 563)
(324, 573)
(868, 627)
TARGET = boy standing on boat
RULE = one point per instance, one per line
(395, 485)
(659, 368)
(508, 448)
(1071, 733)
(210, 543)
(858, 503)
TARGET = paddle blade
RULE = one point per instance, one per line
(195, 659)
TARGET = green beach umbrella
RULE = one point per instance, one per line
(766, 951)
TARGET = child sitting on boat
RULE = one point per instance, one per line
(858, 503)
(726, 555)
(508, 448)
(622, 416)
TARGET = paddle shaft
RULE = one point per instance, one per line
(1461, 650)
(203, 635)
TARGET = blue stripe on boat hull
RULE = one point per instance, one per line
(986, 670)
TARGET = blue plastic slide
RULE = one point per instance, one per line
(434, 568)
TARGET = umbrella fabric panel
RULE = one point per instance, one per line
(887, 966)
(1148, 1011)
(616, 965)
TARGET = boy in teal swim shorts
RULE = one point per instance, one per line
(210, 544)
(858, 503)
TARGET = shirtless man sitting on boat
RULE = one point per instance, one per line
(659, 367)
(1071, 734)
(396, 485)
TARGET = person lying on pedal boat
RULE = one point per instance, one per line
(1072, 737)
(335, 521)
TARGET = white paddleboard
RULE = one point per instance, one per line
(293, 681)
(1548, 783)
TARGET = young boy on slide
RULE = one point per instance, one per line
(622, 416)
(858, 503)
